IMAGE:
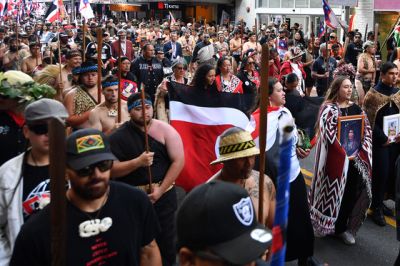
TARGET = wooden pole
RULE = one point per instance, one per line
(327, 56)
(57, 154)
(51, 55)
(346, 44)
(391, 33)
(255, 28)
(119, 81)
(84, 40)
(59, 57)
(264, 102)
(146, 137)
(99, 61)
(376, 30)
(366, 32)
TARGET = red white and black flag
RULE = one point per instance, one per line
(200, 116)
(54, 11)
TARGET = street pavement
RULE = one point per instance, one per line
(375, 246)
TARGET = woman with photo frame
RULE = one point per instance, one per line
(340, 193)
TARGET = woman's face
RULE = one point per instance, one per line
(226, 67)
(345, 90)
(179, 70)
(210, 77)
(297, 36)
(250, 66)
(277, 98)
(351, 135)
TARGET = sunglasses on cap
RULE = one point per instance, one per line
(39, 129)
(89, 170)
(332, 37)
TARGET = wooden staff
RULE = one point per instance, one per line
(365, 33)
(391, 33)
(84, 40)
(376, 30)
(59, 58)
(51, 55)
(57, 154)
(146, 137)
(255, 27)
(346, 44)
(205, 25)
(99, 61)
(264, 102)
(119, 81)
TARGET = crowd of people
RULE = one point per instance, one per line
(316, 84)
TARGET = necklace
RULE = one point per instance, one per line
(94, 226)
(112, 112)
(33, 159)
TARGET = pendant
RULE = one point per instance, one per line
(94, 227)
(112, 113)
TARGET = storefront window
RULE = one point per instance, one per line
(262, 3)
(287, 3)
(275, 3)
(302, 3)
(315, 3)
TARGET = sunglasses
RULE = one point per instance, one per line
(89, 170)
(250, 63)
(39, 129)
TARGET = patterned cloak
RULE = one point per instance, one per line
(330, 175)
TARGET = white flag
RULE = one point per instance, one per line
(85, 9)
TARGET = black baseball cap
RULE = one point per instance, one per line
(86, 147)
(219, 217)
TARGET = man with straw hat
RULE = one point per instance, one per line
(237, 152)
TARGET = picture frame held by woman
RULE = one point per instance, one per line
(350, 133)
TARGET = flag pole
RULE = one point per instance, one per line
(264, 102)
(84, 40)
(327, 56)
(376, 30)
(99, 61)
(146, 136)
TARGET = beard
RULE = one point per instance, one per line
(88, 191)
(14, 48)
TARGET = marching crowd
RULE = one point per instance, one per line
(336, 94)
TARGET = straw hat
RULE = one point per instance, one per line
(238, 144)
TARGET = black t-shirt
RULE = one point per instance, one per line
(134, 225)
(36, 189)
(319, 67)
(12, 140)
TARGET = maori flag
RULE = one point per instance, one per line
(330, 18)
(54, 11)
(200, 116)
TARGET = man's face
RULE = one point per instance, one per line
(35, 50)
(149, 52)
(89, 79)
(240, 167)
(351, 134)
(90, 186)
(390, 77)
(122, 36)
(37, 134)
(28, 30)
(206, 38)
(174, 37)
(357, 38)
(137, 115)
(253, 38)
(111, 94)
(75, 61)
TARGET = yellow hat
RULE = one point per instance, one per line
(238, 144)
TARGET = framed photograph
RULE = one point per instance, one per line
(350, 133)
(391, 126)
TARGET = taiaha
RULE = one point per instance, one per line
(376, 30)
(365, 33)
(346, 44)
(99, 61)
(59, 58)
(84, 40)
(119, 82)
(51, 55)
(146, 137)
(255, 28)
(392, 29)
(264, 102)
(57, 156)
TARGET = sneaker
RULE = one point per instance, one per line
(377, 217)
(348, 238)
